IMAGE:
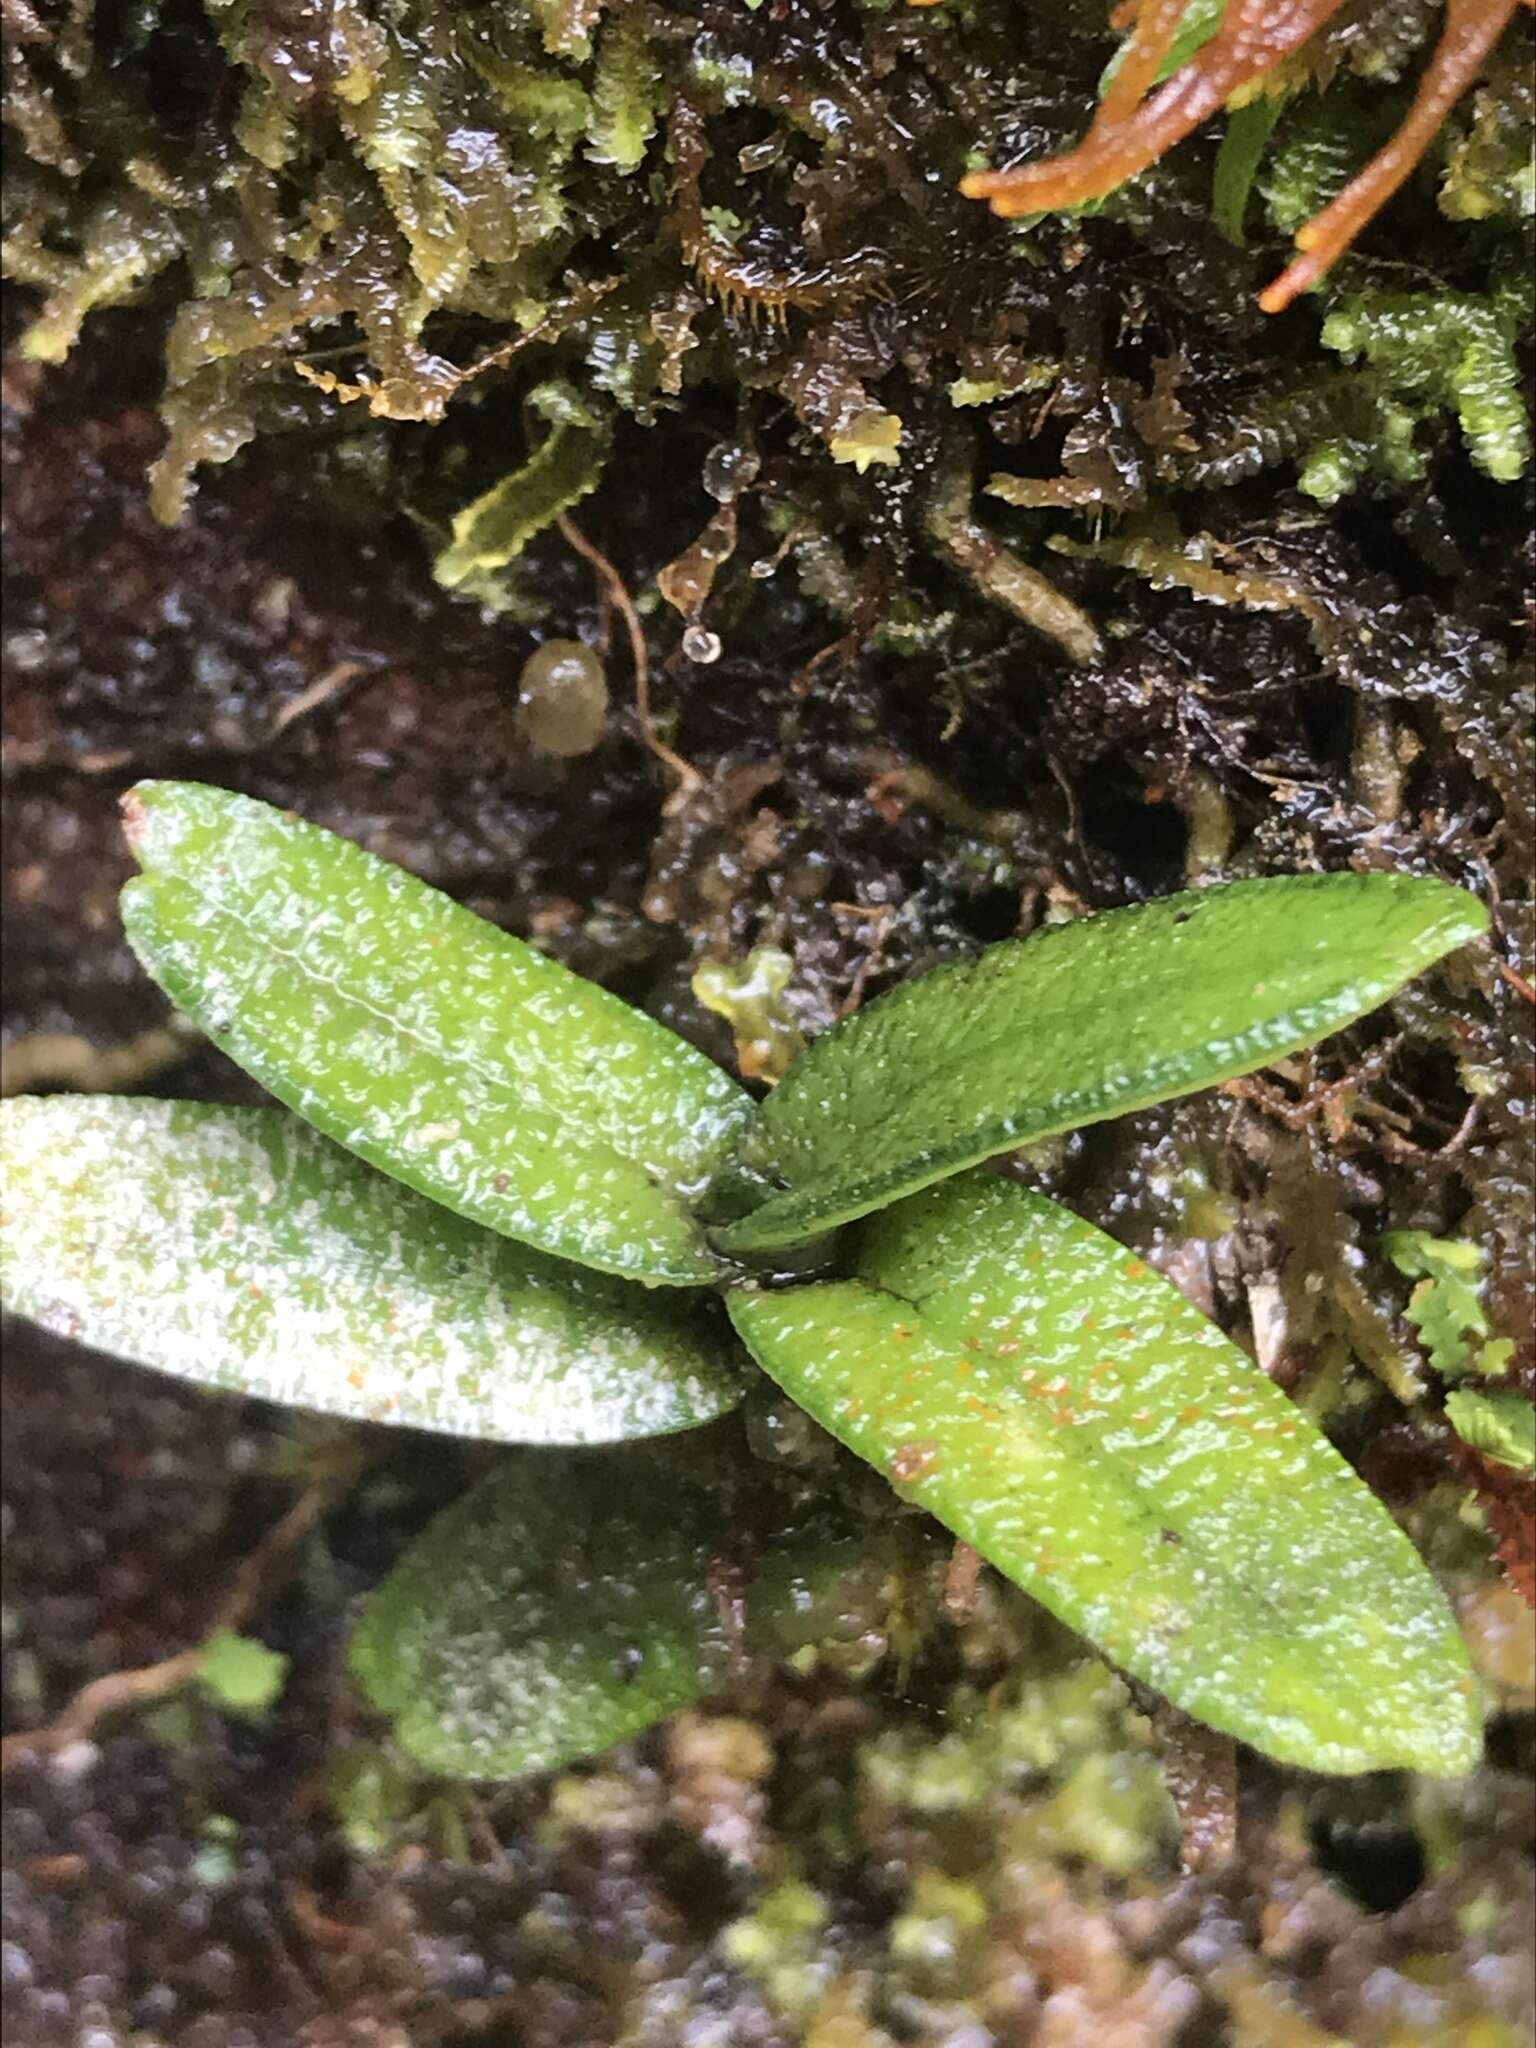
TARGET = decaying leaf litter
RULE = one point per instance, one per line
(1265, 738)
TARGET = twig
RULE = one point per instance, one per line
(256, 1581)
(335, 679)
(612, 582)
(63, 1059)
(1516, 980)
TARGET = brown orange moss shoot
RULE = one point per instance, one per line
(1136, 123)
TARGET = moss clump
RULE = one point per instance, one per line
(420, 212)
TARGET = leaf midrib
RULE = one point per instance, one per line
(495, 1079)
(958, 1147)
(1091, 1461)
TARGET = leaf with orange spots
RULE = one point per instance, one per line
(1076, 1023)
(1067, 1412)
(237, 1249)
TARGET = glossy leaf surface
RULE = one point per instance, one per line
(1080, 1022)
(236, 1248)
(1063, 1409)
(558, 1608)
(435, 1046)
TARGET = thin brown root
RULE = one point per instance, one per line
(844, 649)
(575, 305)
(1516, 980)
(1200, 1770)
(63, 1059)
(880, 916)
(962, 1582)
(259, 1578)
(338, 678)
(618, 596)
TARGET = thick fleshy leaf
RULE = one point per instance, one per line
(435, 1046)
(1068, 1413)
(558, 1608)
(1080, 1022)
(236, 1248)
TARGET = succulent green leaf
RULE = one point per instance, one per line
(235, 1248)
(435, 1046)
(558, 1608)
(566, 1604)
(1076, 1023)
(1067, 1412)
(1502, 1426)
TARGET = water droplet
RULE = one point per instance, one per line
(562, 699)
(700, 645)
(729, 469)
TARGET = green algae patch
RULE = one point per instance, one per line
(237, 1249)
(435, 1046)
(1067, 1412)
(1077, 1023)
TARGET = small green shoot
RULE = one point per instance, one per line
(1500, 1425)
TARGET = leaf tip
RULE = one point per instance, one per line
(1451, 1744)
(153, 814)
(1463, 916)
(135, 817)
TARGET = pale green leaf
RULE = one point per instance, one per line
(1080, 1022)
(558, 1608)
(1445, 1307)
(1068, 1413)
(235, 1248)
(429, 1042)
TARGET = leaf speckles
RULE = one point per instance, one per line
(1150, 1501)
(353, 1296)
(1073, 1024)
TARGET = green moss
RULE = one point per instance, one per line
(1447, 352)
(1065, 1756)
(779, 1946)
(933, 1940)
